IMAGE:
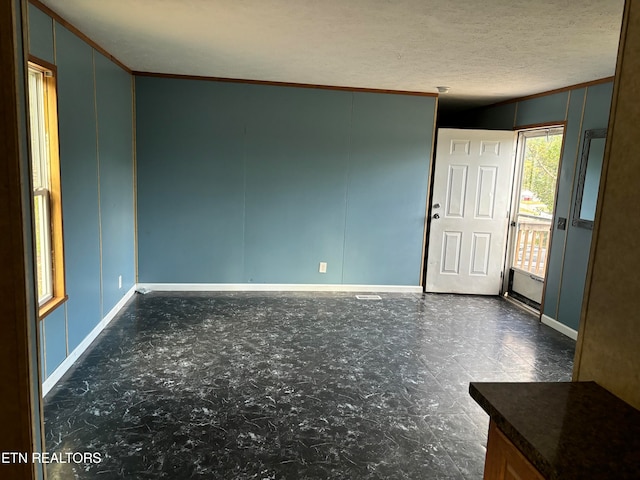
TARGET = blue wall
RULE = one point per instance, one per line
(95, 123)
(569, 304)
(582, 109)
(253, 183)
(79, 176)
(114, 100)
(548, 108)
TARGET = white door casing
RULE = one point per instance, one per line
(469, 211)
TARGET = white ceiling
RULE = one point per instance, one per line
(485, 50)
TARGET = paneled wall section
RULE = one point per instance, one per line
(259, 184)
(95, 105)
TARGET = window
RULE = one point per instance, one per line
(45, 169)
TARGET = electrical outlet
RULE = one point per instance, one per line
(119, 281)
(323, 267)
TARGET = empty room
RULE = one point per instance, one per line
(308, 240)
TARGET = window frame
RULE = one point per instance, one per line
(42, 221)
(52, 193)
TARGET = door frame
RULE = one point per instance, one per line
(428, 212)
(515, 192)
(20, 404)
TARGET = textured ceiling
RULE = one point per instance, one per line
(486, 51)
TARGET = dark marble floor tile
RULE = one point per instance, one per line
(456, 427)
(468, 456)
(294, 386)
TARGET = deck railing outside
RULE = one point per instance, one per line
(532, 245)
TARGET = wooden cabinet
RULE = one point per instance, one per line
(504, 461)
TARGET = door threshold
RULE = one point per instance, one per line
(523, 306)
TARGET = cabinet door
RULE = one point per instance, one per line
(504, 461)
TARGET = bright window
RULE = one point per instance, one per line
(47, 210)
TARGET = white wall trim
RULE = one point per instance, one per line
(57, 374)
(274, 287)
(561, 327)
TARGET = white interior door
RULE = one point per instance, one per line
(470, 211)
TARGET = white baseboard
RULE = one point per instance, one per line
(57, 374)
(275, 287)
(561, 327)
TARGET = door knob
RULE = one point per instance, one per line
(436, 216)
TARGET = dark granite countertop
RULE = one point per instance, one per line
(572, 430)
